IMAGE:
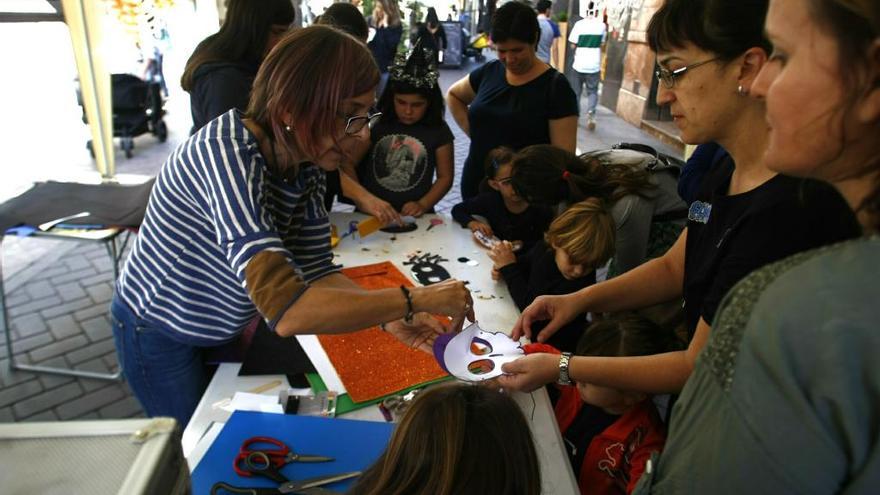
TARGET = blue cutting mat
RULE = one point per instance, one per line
(354, 444)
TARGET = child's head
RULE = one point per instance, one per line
(583, 238)
(621, 335)
(546, 174)
(498, 167)
(413, 93)
(345, 17)
(457, 439)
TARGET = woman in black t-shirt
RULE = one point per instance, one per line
(745, 215)
(515, 101)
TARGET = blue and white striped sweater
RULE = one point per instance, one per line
(214, 206)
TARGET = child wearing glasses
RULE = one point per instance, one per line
(578, 241)
(411, 142)
(498, 212)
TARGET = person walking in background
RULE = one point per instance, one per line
(220, 72)
(549, 32)
(515, 101)
(431, 34)
(388, 30)
(587, 37)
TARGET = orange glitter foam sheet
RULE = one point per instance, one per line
(371, 363)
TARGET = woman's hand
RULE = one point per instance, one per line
(380, 209)
(413, 209)
(476, 226)
(502, 255)
(530, 372)
(559, 310)
(419, 334)
(450, 298)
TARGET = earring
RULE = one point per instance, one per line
(742, 91)
(288, 128)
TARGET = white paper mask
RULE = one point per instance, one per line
(475, 355)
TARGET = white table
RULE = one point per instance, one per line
(493, 307)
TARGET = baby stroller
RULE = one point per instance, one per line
(475, 47)
(138, 108)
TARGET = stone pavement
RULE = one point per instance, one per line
(58, 292)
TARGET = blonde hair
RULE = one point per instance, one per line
(585, 231)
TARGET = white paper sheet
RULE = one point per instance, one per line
(319, 358)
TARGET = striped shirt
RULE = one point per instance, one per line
(216, 205)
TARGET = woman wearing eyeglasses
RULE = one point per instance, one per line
(745, 215)
(236, 227)
(786, 396)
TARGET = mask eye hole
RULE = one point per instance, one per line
(481, 367)
(480, 347)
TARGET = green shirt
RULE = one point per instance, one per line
(785, 398)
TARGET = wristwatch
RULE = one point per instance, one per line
(564, 379)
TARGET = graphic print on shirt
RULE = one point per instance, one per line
(399, 162)
(618, 457)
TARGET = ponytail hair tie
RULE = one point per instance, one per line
(565, 175)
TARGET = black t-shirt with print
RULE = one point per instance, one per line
(744, 232)
(401, 163)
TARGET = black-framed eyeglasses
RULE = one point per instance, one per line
(668, 76)
(505, 180)
(354, 125)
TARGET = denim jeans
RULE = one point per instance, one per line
(591, 81)
(167, 377)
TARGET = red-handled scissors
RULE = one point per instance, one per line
(277, 452)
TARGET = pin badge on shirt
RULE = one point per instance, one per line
(699, 211)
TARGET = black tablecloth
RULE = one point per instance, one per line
(109, 204)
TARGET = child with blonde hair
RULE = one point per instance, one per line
(577, 242)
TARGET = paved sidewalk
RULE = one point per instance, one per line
(58, 292)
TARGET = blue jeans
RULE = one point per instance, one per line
(167, 377)
(591, 81)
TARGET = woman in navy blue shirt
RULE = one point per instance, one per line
(515, 101)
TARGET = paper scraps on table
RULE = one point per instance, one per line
(475, 355)
(435, 222)
(368, 226)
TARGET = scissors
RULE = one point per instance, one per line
(277, 456)
(260, 463)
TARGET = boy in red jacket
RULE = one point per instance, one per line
(610, 433)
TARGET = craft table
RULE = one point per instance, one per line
(494, 309)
